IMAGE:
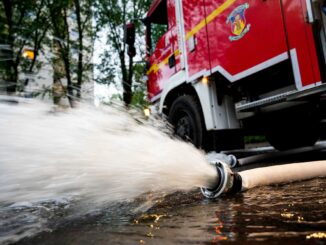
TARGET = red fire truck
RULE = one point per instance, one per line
(220, 69)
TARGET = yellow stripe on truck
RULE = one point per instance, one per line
(155, 67)
(210, 18)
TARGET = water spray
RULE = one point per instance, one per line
(228, 181)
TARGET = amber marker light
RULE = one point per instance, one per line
(147, 112)
(204, 80)
(28, 54)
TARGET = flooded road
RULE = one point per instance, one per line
(286, 214)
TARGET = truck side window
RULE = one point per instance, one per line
(157, 25)
(157, 31)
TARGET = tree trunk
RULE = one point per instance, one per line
(80, 49)
(11, 78)
(126, 81)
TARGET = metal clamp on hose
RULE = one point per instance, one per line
(226, 181)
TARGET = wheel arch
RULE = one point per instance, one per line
(216, 116)
(183, 89)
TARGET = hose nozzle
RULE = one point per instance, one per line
(226, 181)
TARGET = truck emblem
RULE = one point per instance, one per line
(237, 18)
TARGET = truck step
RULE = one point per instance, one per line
(264, 102)
(292, 95)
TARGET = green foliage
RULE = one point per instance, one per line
(40, 24)
(139, 99)
(71, 17)
(157, 31)
(36, 24)
(23, 25)
(114, 15)
(107, 69)
(254, 139)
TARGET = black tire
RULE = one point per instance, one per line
(294, 131)
(186, 117)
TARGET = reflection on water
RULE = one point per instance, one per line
(288, 214)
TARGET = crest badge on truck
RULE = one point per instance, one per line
(237, 19)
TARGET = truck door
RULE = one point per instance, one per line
(245, 36)
(159, 70)
(299, 21)
(175, 58)
(159, 49)
(196, 39)
(319, 11)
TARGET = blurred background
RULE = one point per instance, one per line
(63, 51)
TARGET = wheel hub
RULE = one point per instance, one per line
(183, 128)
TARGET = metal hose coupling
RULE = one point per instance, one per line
(226, 181)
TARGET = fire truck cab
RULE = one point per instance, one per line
(220, 69)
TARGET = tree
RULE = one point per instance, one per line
(71, 17)
(39, 26)
(115, 15)
(139, 98)
(83, 12)
(63, 27)
(22, 26)
(58, 11)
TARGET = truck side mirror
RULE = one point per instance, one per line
(130, 34)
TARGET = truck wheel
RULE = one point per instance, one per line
(294, 133)
(186, 117)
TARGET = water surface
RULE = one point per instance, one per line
(288, 214)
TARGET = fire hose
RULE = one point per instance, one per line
(227, 181)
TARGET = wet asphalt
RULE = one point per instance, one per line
(292, 213)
